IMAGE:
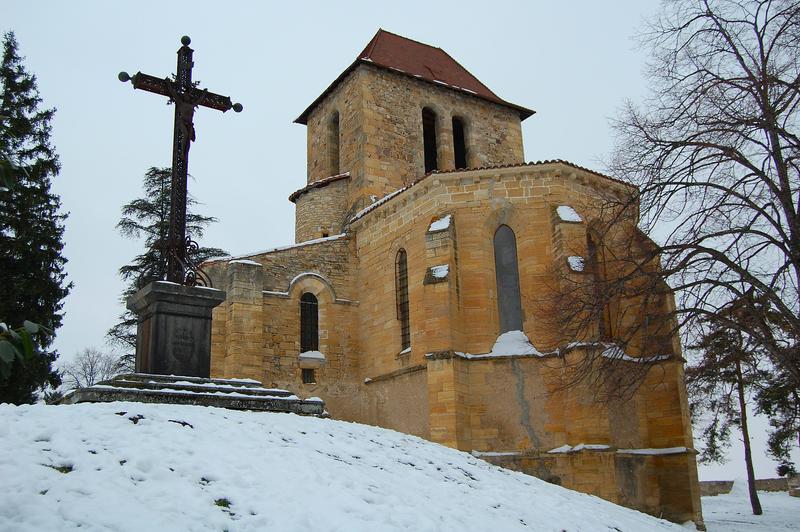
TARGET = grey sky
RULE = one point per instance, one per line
(572, 62)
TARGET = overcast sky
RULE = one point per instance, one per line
(573, 62)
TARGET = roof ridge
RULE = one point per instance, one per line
(409, 39)
(370, 45)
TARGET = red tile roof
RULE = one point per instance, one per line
(412, 58)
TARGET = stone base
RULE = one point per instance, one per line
(177, 390)
(173, 333)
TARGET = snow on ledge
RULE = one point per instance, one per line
(513, 343)
(440, 224)
(656, 451)
(440, 272)
(615, 352)
(600, 447)
(516, 343)
(311, 355)
(578, 448)
(489, 454)
(576, 264)
(568, 214)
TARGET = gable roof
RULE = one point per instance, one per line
(422, 61)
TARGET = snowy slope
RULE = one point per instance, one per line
(195, 468)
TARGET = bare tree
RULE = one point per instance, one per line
(90, 367)
(714, 152)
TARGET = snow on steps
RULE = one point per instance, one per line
(238, 394)
(133, 466)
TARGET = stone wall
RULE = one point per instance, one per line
(320, 212)
(710, 488)
(256, 332)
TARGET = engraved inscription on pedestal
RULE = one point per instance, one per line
(174, 328)
(183, 349)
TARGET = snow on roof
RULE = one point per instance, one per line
(568, 214)
(74, 464)
(440, 224)
(378, 203)
(576, 264)
(283, 248)
(244, 261)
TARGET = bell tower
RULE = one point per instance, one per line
(401, 110)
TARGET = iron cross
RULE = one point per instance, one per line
(183, 93)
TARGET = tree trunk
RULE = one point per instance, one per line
(748, 458)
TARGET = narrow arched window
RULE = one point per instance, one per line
(429, 139)
(333, 144)
(596, 268)
(309, 323)
(507, 276)
(401, 294)
(459, 143)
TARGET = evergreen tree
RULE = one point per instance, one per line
(31, 227)
(730, 364)
(148, 217)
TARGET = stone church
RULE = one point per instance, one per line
(428, 287)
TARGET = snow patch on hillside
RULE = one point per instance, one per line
(132, 466)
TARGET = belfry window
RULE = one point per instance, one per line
(429, 139)
(309, 323)
(459, 143)
(401, 294)
(507, 277)
(333, 144)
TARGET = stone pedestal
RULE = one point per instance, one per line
(173, 335)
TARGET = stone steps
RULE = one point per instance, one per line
(172, 389)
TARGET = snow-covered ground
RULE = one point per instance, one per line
(732, 512)
(132, 466)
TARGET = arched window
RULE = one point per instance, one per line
(333, 144)
(429, 139)
(507, 276)
(459, 143)
(401, 294)
(597, 271)
(309, 323)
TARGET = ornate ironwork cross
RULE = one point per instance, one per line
(185, 95)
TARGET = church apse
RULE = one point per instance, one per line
(420, 326)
